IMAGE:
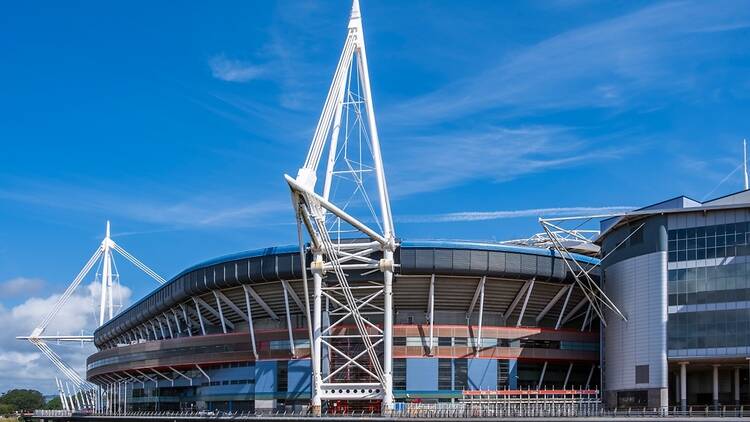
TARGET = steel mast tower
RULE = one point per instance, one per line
(343, 244)
(85, 395)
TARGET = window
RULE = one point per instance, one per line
(282, 375)
(722, 240)
(627, 399)
(641, 374)
(708, 329)
(713, 284)
(445, 374)
(416, 341)
(399, 341)
(399, 374)
(636, 235)
(461, 377)
(460, 341)
(540, 344)
(444, 341)
(502, 373)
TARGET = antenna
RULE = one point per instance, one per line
(744, 162)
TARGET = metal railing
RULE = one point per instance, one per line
(436, 411)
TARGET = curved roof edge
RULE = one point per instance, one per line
(406, 244)
(489, 246)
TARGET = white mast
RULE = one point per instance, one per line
(106, 299)
(37, 337)
(341, 243)
(744, 162)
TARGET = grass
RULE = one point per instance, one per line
(4, 419)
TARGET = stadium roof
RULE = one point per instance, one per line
(675, 205)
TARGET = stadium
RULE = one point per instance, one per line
(352, 318)
(468, 316)
(650, 311)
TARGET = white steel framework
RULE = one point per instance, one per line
(85, 395)
(563, 241)
(343, 244)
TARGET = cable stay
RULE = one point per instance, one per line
(562, 241)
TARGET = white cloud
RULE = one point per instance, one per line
(21, 364)
(21, 286)
(498, 215)
(232, 70)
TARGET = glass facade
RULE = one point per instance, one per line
(700, 326)
(709, 329)
(718, 241)
(714, 284)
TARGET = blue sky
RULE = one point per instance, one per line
(178, 122)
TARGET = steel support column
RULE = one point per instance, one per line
(737, 386)
(715, 390)
(431, 312)
(525, 302)
(387, 331)
(317, 346)
(250, 326)
(683, 385)
(288, 320)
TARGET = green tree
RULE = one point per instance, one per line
(54, 404)
(6, 409)
(23, 399)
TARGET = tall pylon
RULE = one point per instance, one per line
(106, 282)
(85, 393)
(342, 244)
(744, 162)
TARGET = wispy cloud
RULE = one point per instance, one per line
(232, 70)
(611, 64)
(179, 211)
(470, 216)
(433, 162)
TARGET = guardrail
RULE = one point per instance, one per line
(447, 411)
